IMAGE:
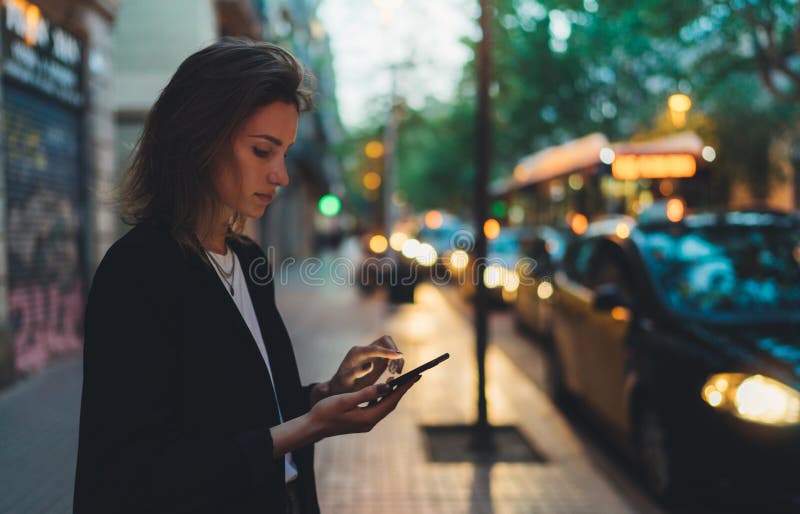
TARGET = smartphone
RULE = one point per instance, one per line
(410, 375)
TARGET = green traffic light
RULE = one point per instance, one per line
(329, 205)
(500, 209)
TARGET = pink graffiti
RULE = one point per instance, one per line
(50, 321)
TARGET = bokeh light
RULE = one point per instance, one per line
(378, 243)
(374, 150)
(675, 210)
(397, 240)
(433, 220)
(578, 223)
(372, 180)
(329, 205)
(491, 228)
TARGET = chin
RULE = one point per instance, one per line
(257, 212)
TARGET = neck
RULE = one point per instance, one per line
(214, 240)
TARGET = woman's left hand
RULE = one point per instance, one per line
(363, 365)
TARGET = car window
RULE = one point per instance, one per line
(731, 272)
(576, 260)
(608, 265)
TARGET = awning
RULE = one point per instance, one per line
(557, 161)
(584, 154)
(682, 143)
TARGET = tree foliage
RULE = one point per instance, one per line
(565, 68)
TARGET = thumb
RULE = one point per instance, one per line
(363, 370)
(366, 394)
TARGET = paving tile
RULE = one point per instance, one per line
(352, 470)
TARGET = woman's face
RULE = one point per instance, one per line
(248, 177)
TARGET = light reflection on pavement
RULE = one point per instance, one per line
(386, 471)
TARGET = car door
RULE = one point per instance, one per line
(602, 344)
(571, 308)
(531, 271)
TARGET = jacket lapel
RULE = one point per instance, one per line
(223, 305)
(275, 340)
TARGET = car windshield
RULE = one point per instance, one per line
(504, 243)
(727, 271)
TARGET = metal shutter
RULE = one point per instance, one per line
(43, 181)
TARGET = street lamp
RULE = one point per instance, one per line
(679, 104)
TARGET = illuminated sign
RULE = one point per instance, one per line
(39, 54)
(632, 167)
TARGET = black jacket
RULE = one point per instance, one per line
(177, 403)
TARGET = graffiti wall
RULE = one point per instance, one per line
(43, 182)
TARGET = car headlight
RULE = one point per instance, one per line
(426, 255)
(754, 398)
(459, 260)
(410, 248)
(510, 281)
(493, 276)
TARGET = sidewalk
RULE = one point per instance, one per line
(386, 471)
(39, 440)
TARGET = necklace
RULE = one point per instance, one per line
(225, 274)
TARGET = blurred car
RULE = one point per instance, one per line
(544, 247)
(374, 267)
(436, 241)
(383, 264)
(684, 339)
(500, 274)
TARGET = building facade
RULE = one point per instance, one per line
(292, 222)
(57, 148)
(78, 79)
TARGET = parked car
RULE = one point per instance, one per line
(544, 248)
(684, 339)
(451, 234)
(500, 274)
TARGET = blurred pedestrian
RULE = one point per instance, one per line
(192, 399)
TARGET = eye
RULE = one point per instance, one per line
(261, 153)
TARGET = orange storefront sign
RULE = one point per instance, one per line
(654, 166)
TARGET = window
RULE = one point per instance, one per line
(576, 260)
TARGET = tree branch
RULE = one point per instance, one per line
(770, 59)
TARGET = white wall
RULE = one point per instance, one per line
(150, 39)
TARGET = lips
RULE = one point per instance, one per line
(264, 196)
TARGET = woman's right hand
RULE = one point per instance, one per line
(341, 414)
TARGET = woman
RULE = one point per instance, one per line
(191, 396)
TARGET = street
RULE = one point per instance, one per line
(387, 469)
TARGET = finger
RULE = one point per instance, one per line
(390, 401)
(371, 351)
(383, 390)
(363, 395)
(363, 370)
(396, 366)
(386, 341)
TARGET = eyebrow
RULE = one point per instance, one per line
(270, 138)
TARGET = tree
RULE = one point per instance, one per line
(566, 68)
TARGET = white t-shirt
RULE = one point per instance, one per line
(241, 297)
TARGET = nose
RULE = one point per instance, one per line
(279, 175)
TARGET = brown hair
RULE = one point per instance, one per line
(169, 179)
